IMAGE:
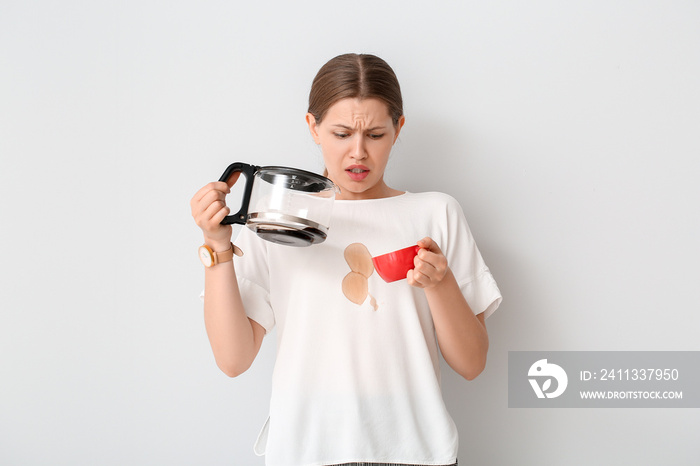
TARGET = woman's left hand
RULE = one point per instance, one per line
(430, 265)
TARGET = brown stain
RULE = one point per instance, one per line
(355, 287)
(359, 259)
(355, 284)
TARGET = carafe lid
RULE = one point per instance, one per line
(295, 179)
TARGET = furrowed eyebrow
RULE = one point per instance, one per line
(375, 128)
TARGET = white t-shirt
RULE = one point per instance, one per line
(353, 383)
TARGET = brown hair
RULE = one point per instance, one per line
(355, 75)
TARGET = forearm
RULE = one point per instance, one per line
(461, 335)
(235, 339)
(231, 334)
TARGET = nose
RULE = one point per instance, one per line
(359, 151)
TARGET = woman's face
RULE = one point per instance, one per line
(356, 137)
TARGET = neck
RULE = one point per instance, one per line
(379, 191)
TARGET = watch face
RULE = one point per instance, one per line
(205, 256)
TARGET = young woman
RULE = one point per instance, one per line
(357, 377)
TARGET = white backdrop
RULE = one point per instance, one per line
(568, 131)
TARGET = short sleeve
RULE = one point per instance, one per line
(482, 294)
(464, 259)
(254, 278)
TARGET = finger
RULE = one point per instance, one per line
(213, 208)
(211, 197)
(433, 272)
(423, 266)
(205, 202)
(213, 186)
(437, 260)
(421, 280)
(201, 193)
(204, 218)
(411, 279)
(429, 244)
(220, 215)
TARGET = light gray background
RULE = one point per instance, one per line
(568, 131)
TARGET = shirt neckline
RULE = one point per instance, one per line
(364, 201)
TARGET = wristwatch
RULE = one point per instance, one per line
(210, 258)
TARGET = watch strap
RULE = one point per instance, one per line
(222, 256)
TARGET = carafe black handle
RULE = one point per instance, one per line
(249, 172)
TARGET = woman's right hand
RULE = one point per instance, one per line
(209, 209)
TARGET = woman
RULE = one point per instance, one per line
(356, 378)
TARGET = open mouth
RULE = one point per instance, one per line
(357, 173)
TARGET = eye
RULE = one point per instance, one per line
(341, 135)
(376, 136)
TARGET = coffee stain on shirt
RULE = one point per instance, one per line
(355, 284)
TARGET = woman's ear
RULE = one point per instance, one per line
(313, 129)
(402, 120)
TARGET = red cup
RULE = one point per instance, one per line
(395, 265)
